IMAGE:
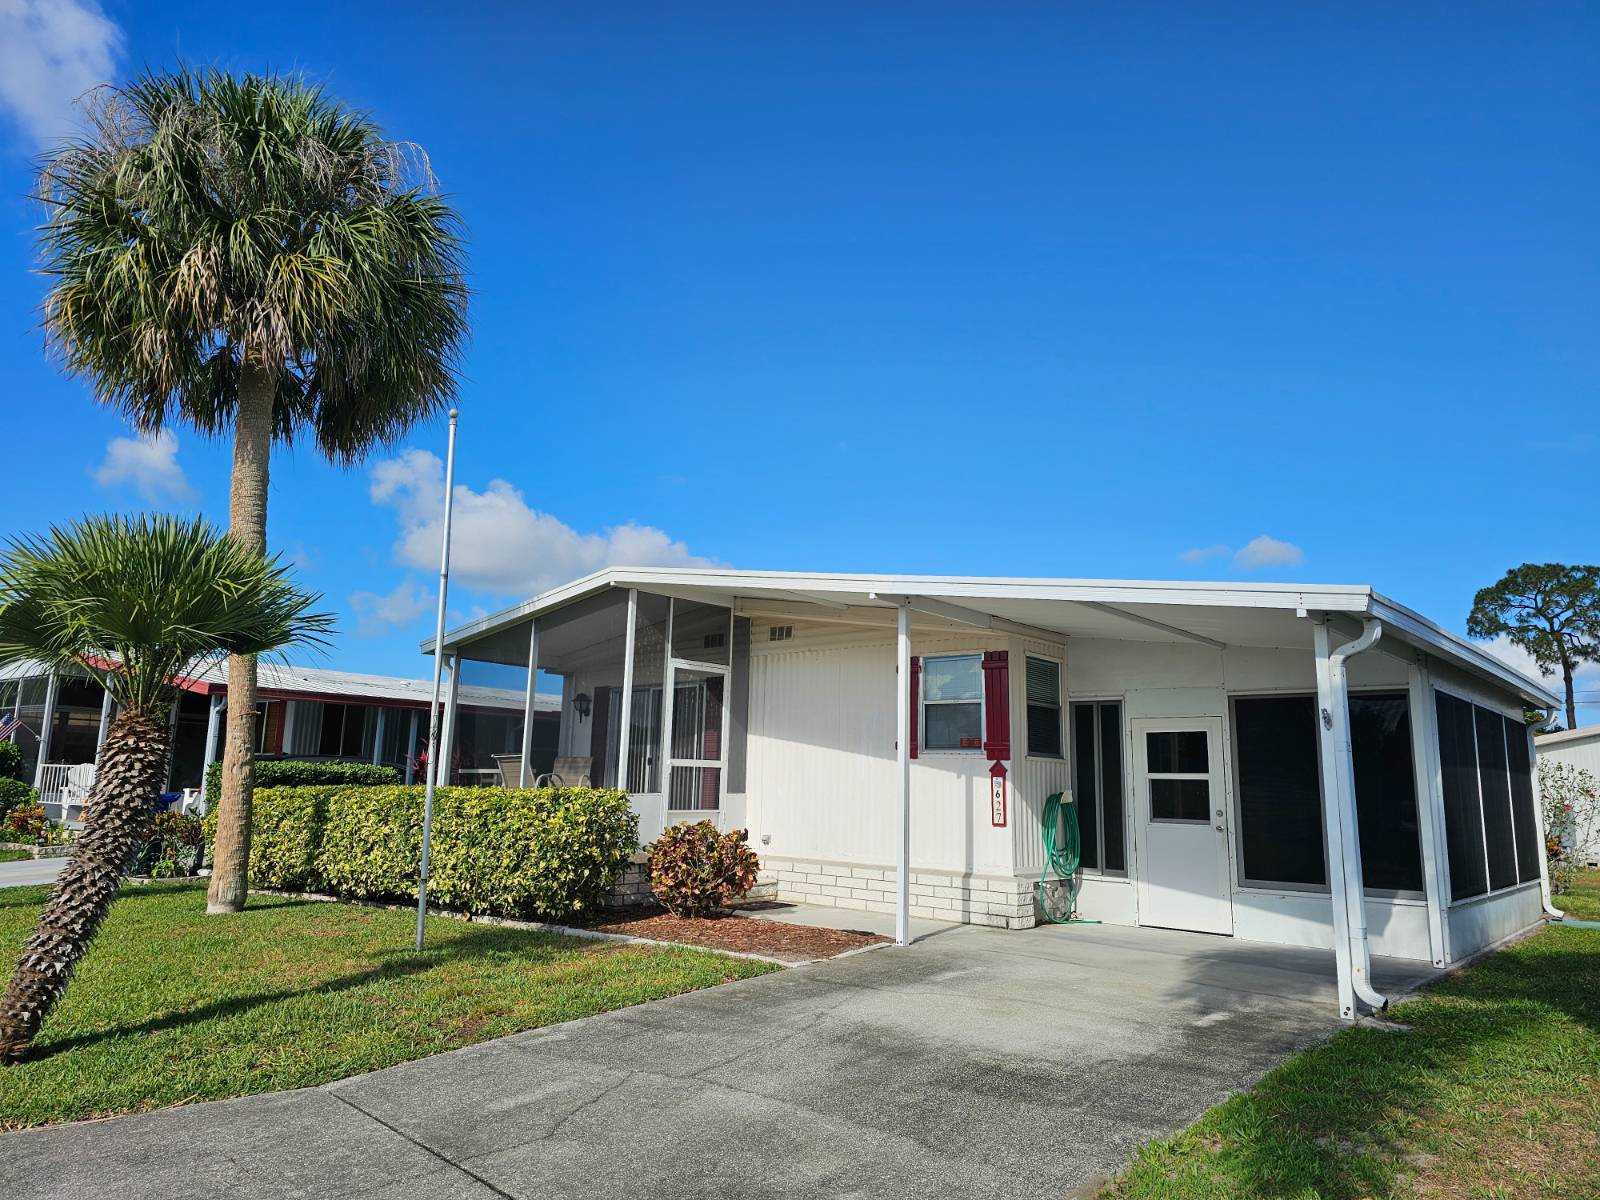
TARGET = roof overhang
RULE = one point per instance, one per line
(1209, 613)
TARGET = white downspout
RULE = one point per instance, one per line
(1350, 833)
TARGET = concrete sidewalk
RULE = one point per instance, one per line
(976, 1063)
(30, 871)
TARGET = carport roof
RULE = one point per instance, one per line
(1215, 613)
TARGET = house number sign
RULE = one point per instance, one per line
(997, 795)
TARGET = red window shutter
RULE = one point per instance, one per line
(916, 699)
(997, 704)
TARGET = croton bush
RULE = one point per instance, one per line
(15, 794)
(694, 869)
(520, 852)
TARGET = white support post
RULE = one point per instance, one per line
(47, 727)
(213, 727)
(291, 709)
(625, 735)
(668, 704)
(106, 705)
(903, 718)
(531, 698)
(377, 736)
(447, 743)
(1430, 810)
(411, 750)
(1329, 723)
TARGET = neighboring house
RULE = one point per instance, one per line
(890, 743)
(302, 712)
(1578, 748)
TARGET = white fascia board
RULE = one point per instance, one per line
(1458, 649)
(748, 584)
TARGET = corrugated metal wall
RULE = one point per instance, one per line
(1583, 753)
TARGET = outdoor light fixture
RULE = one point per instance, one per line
(581, 703)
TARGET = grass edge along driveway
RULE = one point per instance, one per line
(172, 1007)
(1494, 1093)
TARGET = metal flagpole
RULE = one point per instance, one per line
(438, 674)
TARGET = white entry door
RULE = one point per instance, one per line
(1183, 838)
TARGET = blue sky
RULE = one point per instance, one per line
(1173, 291)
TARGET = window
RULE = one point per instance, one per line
(1097, 784)
(347, 731)
(1044, 708)
(952, 703)
(1491, 829)
(1386, 792)
(1177, 766)
(1463, 818)
(1280, 791)
(1279, 775)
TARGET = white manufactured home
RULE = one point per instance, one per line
(1577, 748)
(1293, 764)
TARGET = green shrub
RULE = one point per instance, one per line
(295, 772)
(694, 869)
(524, 852)
(27, 824)
(15, 794)
(10, 760)
(173, 847)
(286, 828)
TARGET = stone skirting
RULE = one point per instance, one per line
(1003, 901)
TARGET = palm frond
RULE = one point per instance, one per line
(157, 596)
(205, 216)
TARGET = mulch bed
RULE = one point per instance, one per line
(747, 935)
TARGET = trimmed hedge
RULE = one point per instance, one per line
(521, 852)
(295, 772)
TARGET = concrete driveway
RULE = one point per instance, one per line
(976, 1063)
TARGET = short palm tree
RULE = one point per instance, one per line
(137, 603)
(247, 254)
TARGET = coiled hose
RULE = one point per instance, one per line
(1063, 853)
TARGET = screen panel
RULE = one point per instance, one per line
(1280, 791)
(1386, 792)
(1524, 817)
(1495, 787)
(1085, 781)
(1113, 826)
(1463, 817)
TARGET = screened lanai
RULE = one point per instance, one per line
(653, 697)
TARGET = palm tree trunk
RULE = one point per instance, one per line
(247, 524)
(133, 767)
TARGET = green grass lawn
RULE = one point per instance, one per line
(1583, 901)
(171, 1006)
(1494, 1093)
(14, 855)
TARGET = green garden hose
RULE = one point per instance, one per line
(1063, 851)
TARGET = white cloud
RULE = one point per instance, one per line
(375, 613)
(51, 52)
(498, 543)
(1267, 551)
(1585, 677)
(1200, 554)
(149, 465)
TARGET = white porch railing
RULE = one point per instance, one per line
(64, 789)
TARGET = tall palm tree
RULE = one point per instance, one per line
(136, 603)
(248, 254)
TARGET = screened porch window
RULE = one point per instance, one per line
(1097, 784)
(1279, 782)
(1491, 829)
(952, 702)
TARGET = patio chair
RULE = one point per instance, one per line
(510, 769)
(570, 771)
(75, 792)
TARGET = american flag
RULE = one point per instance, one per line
(9, 726)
